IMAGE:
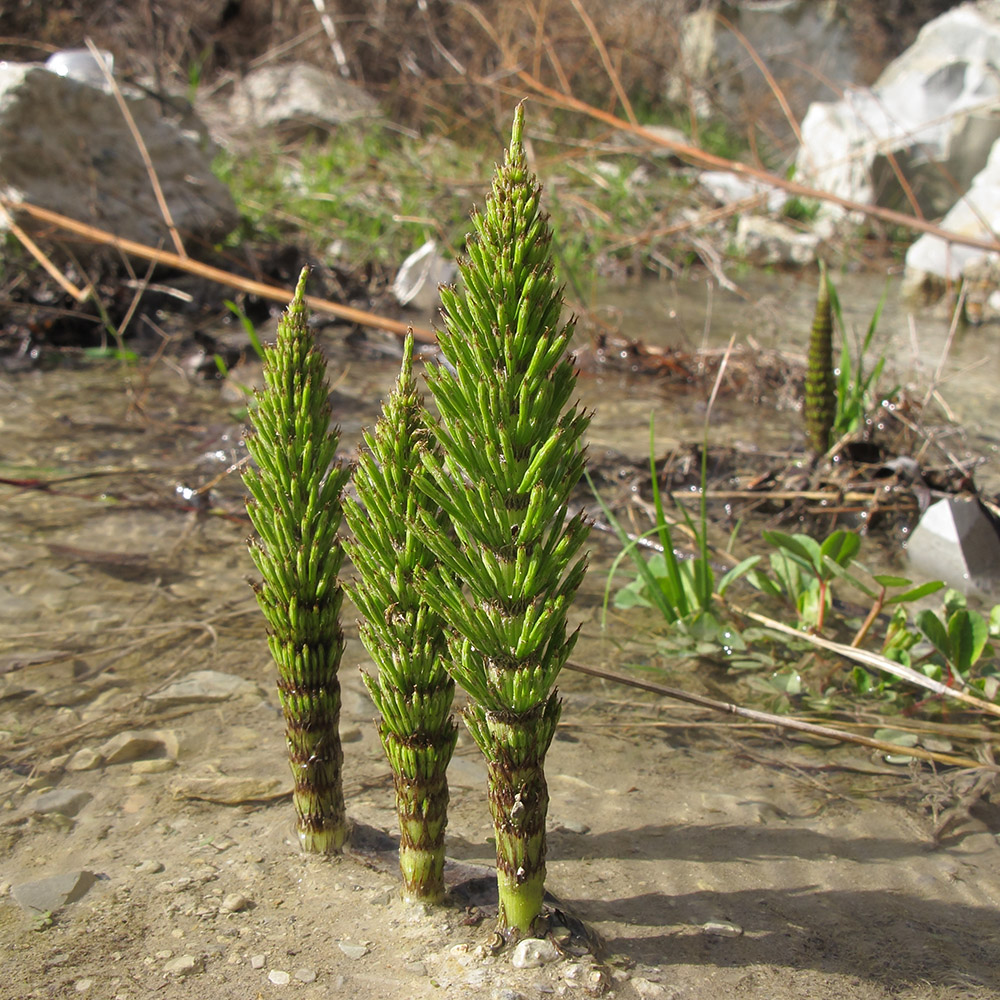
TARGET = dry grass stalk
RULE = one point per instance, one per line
(154, 180)
(699, 158)
(780, 721)
(216, 274)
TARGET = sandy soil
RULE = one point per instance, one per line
(706, 863)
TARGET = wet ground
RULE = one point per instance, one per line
(707, 859)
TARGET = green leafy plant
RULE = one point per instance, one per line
(804, 569)
(960, 640)
(682, 590)
(855, 385)
(404, 637)
(295, 507)
(511, 565)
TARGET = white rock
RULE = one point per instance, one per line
(234, 902)
(647, 989)
(279, 977)
(75, 155)
(65, 801)
(930, 107)
(183, 965)
(726, 187)
(204, 685)
(80, 64)
(532, 953)
(296, 97)
(354, 951)
(305, 975)
(84, 760)
(721, 928)
(129, 746)
(932, 256)
(956, 541)
(418, 278)
(764, 241)
(258, 961)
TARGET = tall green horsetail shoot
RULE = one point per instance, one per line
(511, 453)
(295, 508)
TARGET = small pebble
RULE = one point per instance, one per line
(257, 961)
(155, 766)
(84, 760)
(532, 953)
(234, 902)
(572, 826)
(183, 965)
(279, 977)
(352, 950)
(82, 985)
(721, 928)
(305, 975)
(648, 990)
(149, 867)
(65, 801)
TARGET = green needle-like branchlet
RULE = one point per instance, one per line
(821, 382)
(510, 439)
(412, 690)
(295, 507)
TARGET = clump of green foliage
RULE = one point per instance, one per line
(295, 508)
(510, 455)
(404, 637)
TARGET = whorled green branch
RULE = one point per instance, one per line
(295, 508)
(404, 637)
(511, 442)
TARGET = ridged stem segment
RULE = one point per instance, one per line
(295, 506)
(511, 454)
(406, 640)
(821, 382)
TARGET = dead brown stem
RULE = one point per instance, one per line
(779, 721)
(699, 158)
(271, 292)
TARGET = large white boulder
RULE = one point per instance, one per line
(940, 261)
(65, 146)
(933, 107)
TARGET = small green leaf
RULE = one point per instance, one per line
(967, 635)
(916, 593)
(934, 630)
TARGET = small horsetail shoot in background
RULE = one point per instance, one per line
(295, 508)
(821, 382)
(511, 454)
(404, 637)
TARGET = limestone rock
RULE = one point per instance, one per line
(65, 801)
(47, 895)
(956, 541)
(929, 108)
(297, 97)
(65, 146)
(131, 745)
(764, 242)
(532, 953)
(418, 278)
(204, 685)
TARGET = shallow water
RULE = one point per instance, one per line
(775, 312)
(714, 860)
